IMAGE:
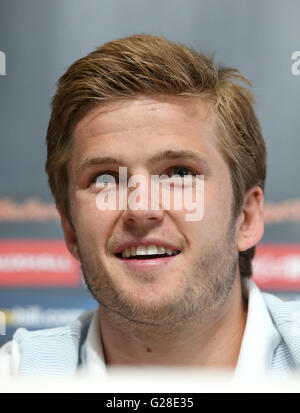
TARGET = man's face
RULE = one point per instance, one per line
(155, 291)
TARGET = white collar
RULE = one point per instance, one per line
(92, 354)
(259, 341)
(260, 337)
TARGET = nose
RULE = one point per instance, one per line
(139, 212)
(142, 218)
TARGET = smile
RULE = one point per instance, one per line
(144, 257)
(147, 252)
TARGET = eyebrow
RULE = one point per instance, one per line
(179, 154)
(164, 155)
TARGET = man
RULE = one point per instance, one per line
(171, 291)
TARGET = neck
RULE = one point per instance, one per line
(211, 342)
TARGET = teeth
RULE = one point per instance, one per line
(141, 250)
(161, 250)
(151, 250)
(147, 250)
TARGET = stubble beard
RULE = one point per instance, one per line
(207, 285)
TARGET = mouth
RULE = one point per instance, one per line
(143, 257)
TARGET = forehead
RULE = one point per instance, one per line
(114, 117)
(139, 126)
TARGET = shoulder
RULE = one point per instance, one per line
(286, 319)
(5, 359)
(282, 311)
(9, 359)
(31, 349)
(69, 330)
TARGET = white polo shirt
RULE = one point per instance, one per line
(260, 337)
(259, 341)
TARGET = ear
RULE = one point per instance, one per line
(251, 227)
(69, 233)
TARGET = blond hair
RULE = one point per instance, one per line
(152, 65)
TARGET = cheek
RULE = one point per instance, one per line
(217, 209)
(92, 225)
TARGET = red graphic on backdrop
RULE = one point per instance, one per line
(37, 263)
(25, 263)
(277, 267)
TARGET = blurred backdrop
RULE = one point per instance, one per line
(40, 284)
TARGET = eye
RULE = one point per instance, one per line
(106, 177)
(181, 171)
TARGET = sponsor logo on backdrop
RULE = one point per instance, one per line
(37, 317)
(277, 267)
(37, 263)
(2, 63)
(295, 68)
(2, 323)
